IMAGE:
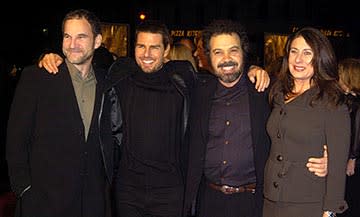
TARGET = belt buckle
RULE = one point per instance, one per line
(252, 191)
(227, 189)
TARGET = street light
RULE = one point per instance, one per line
(142, 16)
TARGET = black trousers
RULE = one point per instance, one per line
(352, 195)
(136, 201)
(213, 203)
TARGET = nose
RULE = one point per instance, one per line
(227, 56)
(73, 43)
(299, 57)
(147, 52)
(303, 57)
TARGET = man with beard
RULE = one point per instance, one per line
(154, 100)
(228, 141)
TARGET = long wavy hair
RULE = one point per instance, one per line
(325, 77)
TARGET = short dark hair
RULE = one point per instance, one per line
(89, 16)
(156, 27)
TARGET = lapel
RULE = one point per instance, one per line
(253, 110)
(254, 119)
(69, 92)
(207, 87)
(100, 89)
(259, 112)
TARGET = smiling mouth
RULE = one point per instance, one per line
(299, 68)
(228, 68)
(148, 61)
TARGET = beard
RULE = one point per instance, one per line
(228, 77)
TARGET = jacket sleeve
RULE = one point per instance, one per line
(116, 126)
(355, 143)
(20, 132)
(337, 130)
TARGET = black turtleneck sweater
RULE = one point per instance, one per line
(152, 114)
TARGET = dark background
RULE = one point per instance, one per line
(23, 38)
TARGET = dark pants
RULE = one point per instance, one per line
(213, 203)
(352, 195)
(134, 201)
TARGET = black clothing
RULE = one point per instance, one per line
(149, 202)
(155, 111)
(103, 58)
(152, 113)
(352, 193)
(355, 127)
(199, 137)
(230, 135)
(53, 170)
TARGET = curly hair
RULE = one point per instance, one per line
(218, 27)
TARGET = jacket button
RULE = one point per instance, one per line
(276, 184)
(281, 174)
(280, 158)
(278, 135)
(342, 208)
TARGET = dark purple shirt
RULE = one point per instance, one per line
(229, 154)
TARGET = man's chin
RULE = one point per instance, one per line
(229, 74)
(230, 78)
(146, 68)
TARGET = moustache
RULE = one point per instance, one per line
(225, 64)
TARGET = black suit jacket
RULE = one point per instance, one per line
(198, 134)
(48, 157)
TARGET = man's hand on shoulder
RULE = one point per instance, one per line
(260, 77)
(50, 62)
(319, 165)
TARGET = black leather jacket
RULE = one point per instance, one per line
(183, 77)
